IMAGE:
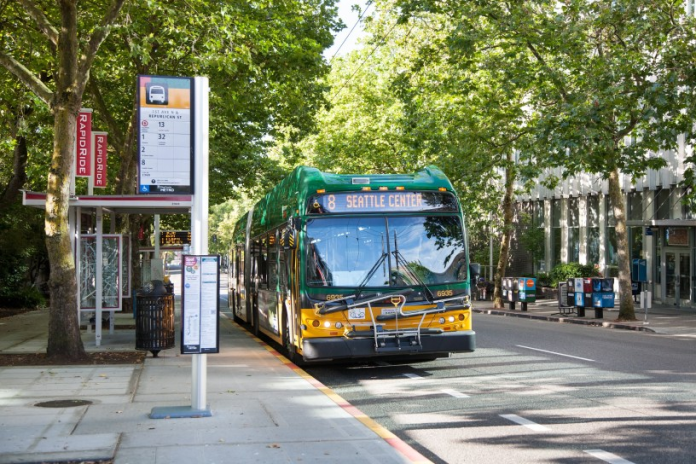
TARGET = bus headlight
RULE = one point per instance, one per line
(339, 325)
(327, 324)
(442, 320)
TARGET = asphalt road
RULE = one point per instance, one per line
(537, 392)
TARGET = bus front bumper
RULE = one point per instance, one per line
(324, 349)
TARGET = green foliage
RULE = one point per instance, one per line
(565, 271)
(543, 279)
(28, 297)
(531, 238)
(23, 258)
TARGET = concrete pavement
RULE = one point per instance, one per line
(264, 409)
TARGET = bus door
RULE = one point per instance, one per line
(268, 288)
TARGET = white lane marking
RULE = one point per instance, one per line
(527, 423)
(414, 376)
(557, 354)
(607, 457)
(454, 393)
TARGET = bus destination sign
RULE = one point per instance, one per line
(381, 201)
(175, 238)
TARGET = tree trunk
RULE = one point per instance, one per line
(63, 329)
(64, 339)
(19, 175)
(626, 308)
(507, 233)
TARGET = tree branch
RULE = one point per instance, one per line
(98, 99)
(98, 36)
(27, 78)
(541, 60)
(42, 22)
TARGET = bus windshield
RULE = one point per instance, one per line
(385, 251)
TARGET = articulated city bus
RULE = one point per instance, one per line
(355, 266)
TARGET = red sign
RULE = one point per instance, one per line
(100, 160)
(83, 144)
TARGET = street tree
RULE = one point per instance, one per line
(418, 93)
(73, 40)
(612, 84)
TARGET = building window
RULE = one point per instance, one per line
(593, 229)
(611, 258)
(636, 237)
(659, 242)
(555, 232)
(662, 204)
(635, 213)
(540, 223)
(573, 231)
(635, 206)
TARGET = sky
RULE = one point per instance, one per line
(349, 18)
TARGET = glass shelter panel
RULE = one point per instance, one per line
(111, 272)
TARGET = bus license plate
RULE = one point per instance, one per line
(356, 313)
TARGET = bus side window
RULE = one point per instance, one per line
(240, 266)
(262, 260)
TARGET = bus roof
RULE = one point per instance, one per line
(289, 197)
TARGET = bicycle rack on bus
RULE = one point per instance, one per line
(381, 336)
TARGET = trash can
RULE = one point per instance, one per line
(154, 319)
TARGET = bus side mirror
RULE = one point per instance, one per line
(288, 238)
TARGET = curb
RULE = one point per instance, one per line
(566, 320)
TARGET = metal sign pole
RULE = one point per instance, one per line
(199, 222)
(99, 270)
(199, 246)
(645, 301)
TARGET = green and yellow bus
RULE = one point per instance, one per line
(355, 266)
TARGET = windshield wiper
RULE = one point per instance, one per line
(363, 283)
(410, 272)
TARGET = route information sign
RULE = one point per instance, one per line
(165, 134)
(175, 237)
(200, 308)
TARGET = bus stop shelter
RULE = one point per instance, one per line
(102, 259)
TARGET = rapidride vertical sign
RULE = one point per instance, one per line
(100, 145)
(83, 143)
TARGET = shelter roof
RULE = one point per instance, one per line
(121, 204)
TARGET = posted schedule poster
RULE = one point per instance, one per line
(200, 304)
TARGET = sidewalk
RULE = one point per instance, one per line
(660, 319)
(263, 410)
